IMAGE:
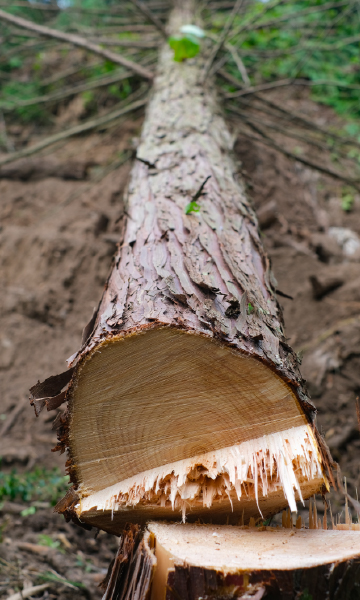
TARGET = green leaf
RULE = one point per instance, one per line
(192, 207)
(15, 62)
(31, 510)
(47, 540)
(347, 202)
(250, 308)
(184, 47)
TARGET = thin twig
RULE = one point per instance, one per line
(67, 73)
(237, 60)
(8, 143)
(47, 7)
(69, 91)
(294, 15)
(286, 112)
(30, 45)
(239, 63)
(310, 124)
(284, 131)
(222, 38)
(30, 591)
(249, 24)
(265, 139)
(76, 40)
(260, 88)
(78, 129)
(154, 43)
(150, 16)
(284, 82)
(304, 59)
(300, 47)
(11, 418)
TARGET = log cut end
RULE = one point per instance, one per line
(166, 424)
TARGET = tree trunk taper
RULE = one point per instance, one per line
(185, 399)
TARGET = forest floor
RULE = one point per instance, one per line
(59, 229)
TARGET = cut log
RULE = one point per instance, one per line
(185, 395)
(190, 562)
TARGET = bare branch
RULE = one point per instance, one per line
(307, 122)
(265, 139)
(283, 130)
(249, 24)
(76, 40)
(222, 38)
(152, 43)
(239, 63)
(47, 7)
(150, 16)
(284, 82)
(69, 91)
(259, 88)
(291, 16)
(78, 129)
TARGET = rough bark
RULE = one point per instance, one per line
(205, 274)
(130, 573)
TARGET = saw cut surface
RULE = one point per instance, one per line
(254, 478)
(234, 549)
(143, 401)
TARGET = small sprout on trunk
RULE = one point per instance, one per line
(187, 43)
(184, 47)
(192, 207)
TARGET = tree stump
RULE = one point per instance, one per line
(194, 562)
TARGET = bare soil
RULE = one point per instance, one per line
(57, 237)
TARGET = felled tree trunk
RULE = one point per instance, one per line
(190, 562)
(185, 398)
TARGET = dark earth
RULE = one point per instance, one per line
(60, 221)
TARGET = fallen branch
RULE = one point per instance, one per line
(305, 58)
(307, 47)
(222, 38)
(250, 24)
(69, 91)
(310, 124)
(153, 43)
(67, 73)
(11, 418)
(287, 113)
(30, 591)
(239, 63)
(265, 139)
(26, 47)
(282, 130)
(47, 7)
(295, 14)
(150, 16)
(76, 40)
(260, 88)
(78, 129)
